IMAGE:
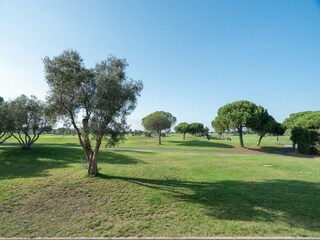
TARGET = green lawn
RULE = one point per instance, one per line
(45, 191)
(174, 141)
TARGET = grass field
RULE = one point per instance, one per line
(269, 143)
(45, 191)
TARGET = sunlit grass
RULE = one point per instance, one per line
(46, 192)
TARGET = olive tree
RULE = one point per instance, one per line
(182, 128)
(95, 101)
(6, 121)
(29, 120)
(237, 115)
(158, 121)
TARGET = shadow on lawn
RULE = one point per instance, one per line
(17, 163)
(199, 143)
(294, 202)
(282, 151)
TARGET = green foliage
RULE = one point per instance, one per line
(29, 120)
(196, 129)
(158, 121)
(236, 115)
(266, 124)
(218, 126)
(101, 97)
(182, 128)
(308, 119)
(6, 121)
(278, 129)
(306, 139)
(147, 133)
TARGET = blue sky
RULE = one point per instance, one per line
(192, 56)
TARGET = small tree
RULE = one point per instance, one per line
(6, 121)
(182, 128)
(238, 115)
(196, 129)
(265, 123)
(218, 127)
(205, 133)
(158, 121)
(278, 129)
(95, 101)
(30, 120)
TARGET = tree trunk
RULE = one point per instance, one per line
(277, 137)
(93, 166)
(184, 136)
(240, 136)
(259, 141)
(159, 132)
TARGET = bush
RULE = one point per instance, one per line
(147, 133)
(306, 139)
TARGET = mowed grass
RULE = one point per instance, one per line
(46, 192)
(175, 141)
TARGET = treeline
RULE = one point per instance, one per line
(240, 116)
(235, 116)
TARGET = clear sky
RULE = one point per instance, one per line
(192, 56)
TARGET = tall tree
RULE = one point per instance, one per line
(237, 115)
(95, 101)
(30, 120)
(182, 128)
(265, 124)
(278, 129)
(158, 121)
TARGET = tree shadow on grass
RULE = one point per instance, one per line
(281, 151)
(115, 157)
(37, 161)
(199, 143)
(17, 163)
(295, 203)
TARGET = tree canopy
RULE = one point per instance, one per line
(196, 128)
(158, 121)
(237, 115)
(182, 128)
(6, 121)
(307, 119)
(266, 123)
(29, 120)
(95, 101)
(218, 126)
